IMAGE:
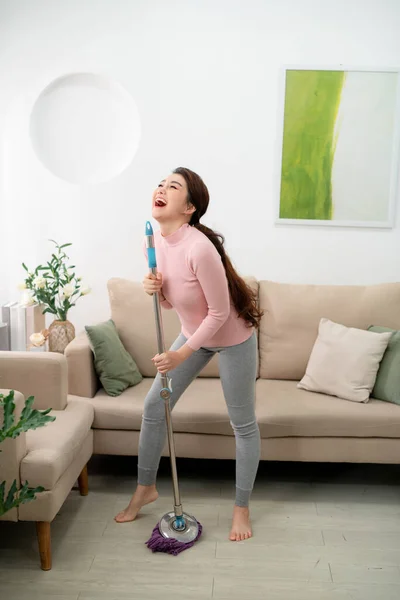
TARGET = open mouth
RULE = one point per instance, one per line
(160, 203)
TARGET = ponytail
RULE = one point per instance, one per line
(243, 297)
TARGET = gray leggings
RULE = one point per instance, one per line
(238, 375)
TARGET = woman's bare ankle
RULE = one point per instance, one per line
(145, 488)
(144, 494)
(145, 491)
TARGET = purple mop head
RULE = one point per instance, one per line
(158, 543)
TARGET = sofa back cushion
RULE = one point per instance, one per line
(132, 313)
(292, 313)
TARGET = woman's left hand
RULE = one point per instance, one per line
(167, 361)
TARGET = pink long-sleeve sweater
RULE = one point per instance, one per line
(195, 285)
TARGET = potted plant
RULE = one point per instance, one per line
(30, 419)
(56, 287)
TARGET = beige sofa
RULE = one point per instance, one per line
(295, 425)
(53, 456)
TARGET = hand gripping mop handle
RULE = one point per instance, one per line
(166, 386)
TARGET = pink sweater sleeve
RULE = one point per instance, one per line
(164, 303)
(205, 262)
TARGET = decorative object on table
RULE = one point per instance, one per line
(344, 361)
(57, 288)
(25, 319)
(114, 365)
(61, 333)
(387, 384)
(30, 419)
(38, 341)
(340, 147)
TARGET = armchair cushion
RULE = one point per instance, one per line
(52, 448)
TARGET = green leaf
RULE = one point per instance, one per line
(9, 503)
(17, 497)
(65, 245)
(9, 407)
(30, 418)
(26, 494)
(25, 267)
(26, 411)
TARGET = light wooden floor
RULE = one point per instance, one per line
(321, 532)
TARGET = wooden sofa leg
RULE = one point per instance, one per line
(83, 482)
(44, 540)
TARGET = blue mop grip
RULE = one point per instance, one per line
(151, 251)
(179, 523)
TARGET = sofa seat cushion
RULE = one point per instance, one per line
(52, 448)
(201, 409)
(283, 410)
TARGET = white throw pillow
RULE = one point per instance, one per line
(344, 361)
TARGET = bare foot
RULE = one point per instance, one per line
(241, 527)
(144, 495)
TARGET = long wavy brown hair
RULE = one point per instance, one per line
(243, 297)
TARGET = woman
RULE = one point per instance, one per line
(218, 313)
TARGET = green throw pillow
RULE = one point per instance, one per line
(114, 365)
(387, 384)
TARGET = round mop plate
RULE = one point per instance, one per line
(188, 534)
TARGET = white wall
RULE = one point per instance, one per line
(205, 77)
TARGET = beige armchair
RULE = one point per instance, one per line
(54, 456)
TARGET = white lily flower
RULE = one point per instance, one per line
(39, 282)
(85, 290)
(68, 290)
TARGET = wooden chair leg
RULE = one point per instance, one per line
(83, 482)
(44, 540)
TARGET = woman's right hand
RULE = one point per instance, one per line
(152, 283)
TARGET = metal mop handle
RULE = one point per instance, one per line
(165, 392)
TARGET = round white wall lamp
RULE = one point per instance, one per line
(85, 128)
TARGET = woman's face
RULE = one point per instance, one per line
(170, 200)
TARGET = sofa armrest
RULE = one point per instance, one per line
(43, 375)
(12, 453)
(82, 378)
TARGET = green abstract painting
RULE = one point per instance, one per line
(337, 146)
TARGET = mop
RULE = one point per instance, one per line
(176, 531)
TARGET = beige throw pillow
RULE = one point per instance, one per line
(344, 361)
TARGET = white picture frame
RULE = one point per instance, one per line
(283, 217)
